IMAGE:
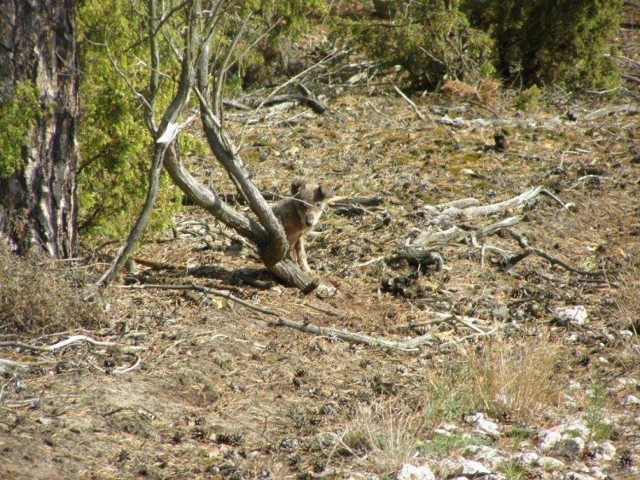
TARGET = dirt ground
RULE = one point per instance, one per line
(218, 390)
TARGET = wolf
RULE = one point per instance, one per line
(300, 213)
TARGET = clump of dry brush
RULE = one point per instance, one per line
(40, 296)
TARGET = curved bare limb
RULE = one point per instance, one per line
(164, 134)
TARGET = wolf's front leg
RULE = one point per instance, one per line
(301, 255)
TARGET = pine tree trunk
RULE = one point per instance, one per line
(38, 199)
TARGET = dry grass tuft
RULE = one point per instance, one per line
(486, 92)
(38, 296)
(518, 381)
(385, 434)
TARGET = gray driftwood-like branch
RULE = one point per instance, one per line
(306, 97)
(7, 365)
(450, 216)
(73, 340)
(469, 208)
(459, 122)
(447, 213)
(268, 233)
(604, 112)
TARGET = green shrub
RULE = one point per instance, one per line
(530, 99)
(550, 41)
(115, 145)
(430, 39)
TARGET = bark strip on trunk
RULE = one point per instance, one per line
(38, 197)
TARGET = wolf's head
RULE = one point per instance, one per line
(311, 199)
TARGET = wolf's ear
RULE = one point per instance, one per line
(297, 185)
(325, 190)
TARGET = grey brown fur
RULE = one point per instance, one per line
(300, 213)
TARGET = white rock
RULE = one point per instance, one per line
(574, 385)
(446, 429)
(563, 436)
(576, 315)
(625, 382)
(550, 463)
(411, 472)
(549, 439)
(528, 458)
(486, 454)
(605, 451)
(562, 444)
(469, 468)
(631, 400)
(449, 427)
(599, 474)
(483, 424)
(577, 428)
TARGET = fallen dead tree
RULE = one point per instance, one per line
(450, 224)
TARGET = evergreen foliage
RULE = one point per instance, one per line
(115, 145)
(543, 41)
(551, 41)
(430, 39)
(18, 111)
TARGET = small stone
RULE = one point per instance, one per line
(605, 451)
(469, 468)
(631, 400)
(446, 429)
(411, 472)
(573, 447)
(550, 463)
(529, 458)
(565, 440)
(574, 385)
(449, 427)
(483, 424)
(550, 439)
(483, 451)
(576, 315)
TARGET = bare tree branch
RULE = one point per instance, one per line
(162, 136)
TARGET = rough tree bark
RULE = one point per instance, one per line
(38, 199)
